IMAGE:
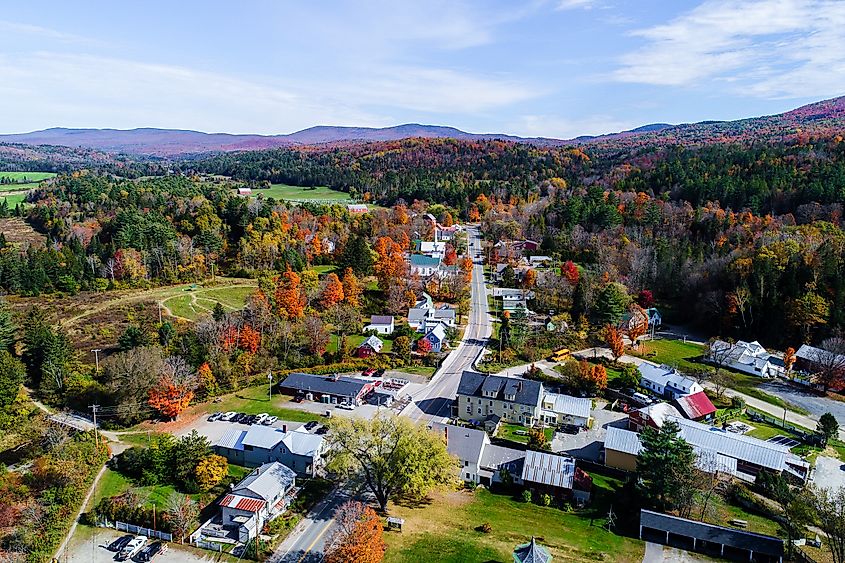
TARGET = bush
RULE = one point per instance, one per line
(526, 496)
(485, 528)
(546, 500)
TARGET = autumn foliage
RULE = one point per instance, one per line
(210, 471)
(169, 398)
(351, 288)
(250, 339)
(289, 296)
(570, 271)
(423, 346)
(614, 341)
(332, 293)
(359, 535)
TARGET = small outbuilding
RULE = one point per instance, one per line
(531, 552)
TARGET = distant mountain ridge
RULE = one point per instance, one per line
(820, 117)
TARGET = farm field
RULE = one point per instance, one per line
(26, 177)
(194, 304)
(303, 193)
(14, 198)
(444, 530)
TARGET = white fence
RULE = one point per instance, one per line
(139, 530)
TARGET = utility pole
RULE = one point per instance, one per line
(97, 358)
(270, 379)
(96, 433)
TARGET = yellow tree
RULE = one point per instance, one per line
(351, 288)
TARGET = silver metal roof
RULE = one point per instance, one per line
(549, 469)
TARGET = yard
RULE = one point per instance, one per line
(444, 530)
(192, 304)
(519, 433)
(354, 340)
(303, 193)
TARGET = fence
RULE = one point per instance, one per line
(211, 546)
(139, 530)
(812, 438)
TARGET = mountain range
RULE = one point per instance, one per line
(813, 119)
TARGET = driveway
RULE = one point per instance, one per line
(830, 473)
(587, 443)
(656, 553)
(806, 399)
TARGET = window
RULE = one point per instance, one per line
(469, 409)
(466, 463)
(479, 410)
(491, 403)
(248, 447)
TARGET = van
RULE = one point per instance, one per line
(641, 398)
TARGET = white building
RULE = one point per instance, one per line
(667, 382)
(564, 409)
(382, 324)
(259, 497)
(747, 357)
(434, 249)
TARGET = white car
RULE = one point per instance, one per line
(228, 416)
(259, 419)
(270, 420)
(346, 406)
(133, 547)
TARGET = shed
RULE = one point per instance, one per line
(709, 538)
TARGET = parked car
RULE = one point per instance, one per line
(133, 547)
(298, 399)
(259, 418)
(369, 372)
(215, 416)
(311, 425)
(149, 553)
(346, 406)
(569, 428)
(249, 419)
(239, 417)
(120, 542)
(270, 420)
(228, 416)
(321, 430)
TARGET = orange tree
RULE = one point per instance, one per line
(358, 535)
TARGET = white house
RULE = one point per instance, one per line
(357, 208)
(539, 261)
(564, 409)
(747, 357)
(513, 299)
(258, 498)
(436, 337)
(434, 249)
(424, 266)
(480, 461)
(244, 191)
(667, 382)
(299, 450)
(382, 324)
(423, 319)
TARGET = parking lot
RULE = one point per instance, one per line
(92, 547)
(587, 443)
(829, 473)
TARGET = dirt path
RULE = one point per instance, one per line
(79, 514)
(160, 294)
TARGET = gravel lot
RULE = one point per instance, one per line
(587, 443)
(807, 400)
(91, 547)
(830, 473)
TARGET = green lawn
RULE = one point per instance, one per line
(354, 340)
(303, 193)
(255, 400)
(195, 304)
(510, 432)
(324, 269)
(13, 199)
(25, 177)
(444, 531)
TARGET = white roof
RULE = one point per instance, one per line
(233, 439)
(668, 377)
(439, 331)
(301, 442)
(266, 481)
(658, 412)
(549, 469)
(745, 448)
(621, 440)
(811, 353)
(373, 342)
(431, 246)
(751, 354)
(565, 404)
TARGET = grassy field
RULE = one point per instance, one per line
(193, 305)
(443, 531)
(509, 432)
(26, 177)
(354, 340)
(303, 193)
(255, 400)
(13, 198)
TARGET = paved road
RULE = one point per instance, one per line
(434, 401)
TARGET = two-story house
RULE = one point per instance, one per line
(510, 398)
(299, 450)
(258, 498)
(667, 382)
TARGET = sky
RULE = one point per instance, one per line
(553, 68)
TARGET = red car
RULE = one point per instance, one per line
(369, 372)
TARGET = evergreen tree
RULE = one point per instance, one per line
(665, 460)
(612, 302)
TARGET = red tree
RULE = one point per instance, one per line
(169, 399)
(357, 537)
(250, 339)
(423, 346)
(570, 271)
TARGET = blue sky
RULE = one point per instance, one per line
(556, 68)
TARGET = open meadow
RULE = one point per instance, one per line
(303, 193)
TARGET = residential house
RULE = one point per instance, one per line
(436, 337)
(667, 382)
(424, 266)
(261, 496)
(299, 450)
(369, 347)
(382, 324)
(447, 233)
(746, 357)
(480, 461)
(513, 399)
(696, 407)
(717, 449)
(557, 475)
(540, 261)
(563, 409)
(514, 250)
(423, 319)
(330, 389)
(518, 270)
(433, 249)
(513, 299)
(356, 208)
(810, 360)
(652, 415)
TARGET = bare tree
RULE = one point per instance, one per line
(183, 513)
(829, 362)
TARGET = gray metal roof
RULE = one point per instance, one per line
(549, 469)
(565, 404)
(464, 443)
(265, 437)
(342, 386)
(526, 391)
(495, 456)
(743, 448)
(758, 543)
(381, 320)
(621, 440)
(531, 552)
(233, 439)
(302, 442)
(266, 482)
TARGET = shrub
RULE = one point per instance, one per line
(526, 496)
(546, 500)
(485, 528)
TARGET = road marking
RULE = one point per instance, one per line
(313, 543)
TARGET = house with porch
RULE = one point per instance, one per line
(512, 299)
(746, 357)
(564, 409)
(298, 449)
(261, 496)
(667, 382)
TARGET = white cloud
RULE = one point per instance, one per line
(558, 127)
(770, 48)
(17, 28)
(575, 4)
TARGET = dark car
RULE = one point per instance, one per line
(120, 543)
(298, 399)
(238, 417)
(569, 428)
(311, 425)
(250, 419)
(149, 552)
(321, 430)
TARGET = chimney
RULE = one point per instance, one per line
(284, 427)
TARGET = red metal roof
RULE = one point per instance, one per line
(243, 503)
(696, 405)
